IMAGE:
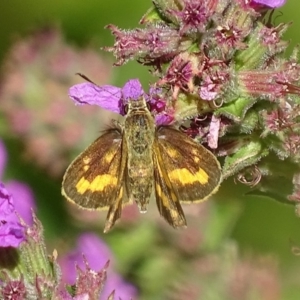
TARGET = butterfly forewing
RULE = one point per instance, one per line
(94, 179)
(193, 171)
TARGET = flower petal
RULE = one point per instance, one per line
(271, 3)
(132, 89)
(213, 134)
(95, 250)
(123, 289)
(11, 234)
(106, 96)
(163, 119)
(6, 203)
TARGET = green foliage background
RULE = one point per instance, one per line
(264, 226)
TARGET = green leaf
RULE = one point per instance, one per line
(236, 109)
(163, 7)
(151, 16)
(274, 187)
(252, 57)
(188, 106)
(278, 183)
(249, 122)
(270, 195)
(247, 155)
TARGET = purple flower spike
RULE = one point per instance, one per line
(106, 96)
(132, 89)
(270, 3)
(11, 231)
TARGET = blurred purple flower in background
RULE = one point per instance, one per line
(97, 255)
(39, 68)
(21, 192)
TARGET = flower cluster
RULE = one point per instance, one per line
(222, 79)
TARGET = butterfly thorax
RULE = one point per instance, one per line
(139, 129)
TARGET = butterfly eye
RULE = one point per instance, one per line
(126, 109)
(148, 106)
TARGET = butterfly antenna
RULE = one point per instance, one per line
(86, 78)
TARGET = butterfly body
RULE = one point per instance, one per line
(131, 161)
(138, 132)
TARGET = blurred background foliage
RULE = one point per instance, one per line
(229, 228)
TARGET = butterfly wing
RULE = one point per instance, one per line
(94, 180)
(193, 171)
(166, 199)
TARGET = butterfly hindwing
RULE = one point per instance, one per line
(166, 199)
(193, 171)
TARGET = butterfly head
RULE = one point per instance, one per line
(136, 105)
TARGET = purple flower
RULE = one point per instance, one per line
(115, 99)
(194, 16)
(180, 74)
(123, 290)
(270, 3)
(107, 96)
(97, 254)
(22, 194)
(12, 233)
(132, 90)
